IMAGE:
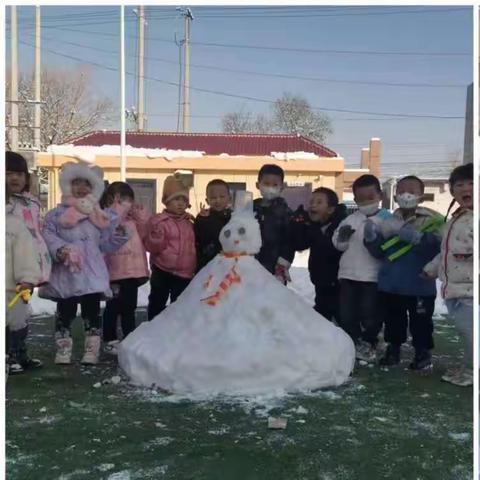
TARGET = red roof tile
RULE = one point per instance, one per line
(210, 143)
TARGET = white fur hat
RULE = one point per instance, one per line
(71, 171)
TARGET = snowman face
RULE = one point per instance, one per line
(241, 235)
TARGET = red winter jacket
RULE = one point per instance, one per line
(170, 239)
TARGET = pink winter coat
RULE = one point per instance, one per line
(130, 261)
(171, 241)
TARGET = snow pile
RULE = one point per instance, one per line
(294, 156)
(273, 342)
(88, 153)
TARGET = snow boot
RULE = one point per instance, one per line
(63, 355)
(111, 347)
(31, 363)
(391, 357)
(461, 378)
(365, 352)
(14, 366)
(92, 349)
(422, 361)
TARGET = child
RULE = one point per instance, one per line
(454, 266)
(78, 234)
(171, 241)
(274, 217)
(315, 231)
(358, 272)
(127, 266)
(26, 207)
(209, 223)
(22, 272)
(408, 299)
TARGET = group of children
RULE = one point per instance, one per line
(371, 269)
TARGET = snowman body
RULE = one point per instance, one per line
(236, 330)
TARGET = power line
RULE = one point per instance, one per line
(273, 75)
(287, 49)
(255, 99)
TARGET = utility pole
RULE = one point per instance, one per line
(141, 69)
(13, 80)
(123, 159)
(187, 13)
(38, 73)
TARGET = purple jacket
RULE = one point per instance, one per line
(91, 243)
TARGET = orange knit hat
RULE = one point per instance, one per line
(174, 187)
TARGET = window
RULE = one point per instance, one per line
(429, 197)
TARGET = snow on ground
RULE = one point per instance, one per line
(300, 284)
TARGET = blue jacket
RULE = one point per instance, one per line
(402, 276)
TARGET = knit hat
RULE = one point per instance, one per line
(14, 162)
(173, 187)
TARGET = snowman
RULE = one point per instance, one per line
(236, 330)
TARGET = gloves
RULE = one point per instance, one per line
(282, 274)
(344, 233)
(370, 233)
(409, 235)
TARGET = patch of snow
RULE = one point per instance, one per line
(300, 410)
(459, 437)
(123, 475)
(105, 467)
(294, 156)
(88, 154)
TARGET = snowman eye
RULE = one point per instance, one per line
(241, 231)
(227, 233)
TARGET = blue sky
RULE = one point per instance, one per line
(431, 29)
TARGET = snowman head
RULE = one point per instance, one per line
(242, 233)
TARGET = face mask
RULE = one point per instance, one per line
(407, 201)
(269, 193)
(369, 209)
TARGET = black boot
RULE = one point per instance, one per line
(391, 357)
(21, 354)
(422, 361)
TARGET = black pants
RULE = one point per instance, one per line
(16, 345)
(326, 301)
(360, 310)
(123, 304)
(402, 312)
(67, 311)
(162, 286)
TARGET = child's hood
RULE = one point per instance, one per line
(71, 171)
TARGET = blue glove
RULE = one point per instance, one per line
(409, 235)
(370, 233)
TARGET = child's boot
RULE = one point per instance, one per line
(391, 357)
(462, 378)
(365, 352)
(422, 361)
(92, 349)
(25, 361)
(14, 367)
(64, 345)
(111, 347)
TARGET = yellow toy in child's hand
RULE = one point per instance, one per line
(24, 294)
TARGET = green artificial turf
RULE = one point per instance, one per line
(391, 424)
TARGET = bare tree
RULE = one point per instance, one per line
(293, 114)
(289, 114)
(70, 107)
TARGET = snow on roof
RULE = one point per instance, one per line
(88, 153)
(294, 156)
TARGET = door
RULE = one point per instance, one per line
(145, 193)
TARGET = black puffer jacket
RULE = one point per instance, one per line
(207, 230)
(324, 257)
(275, 221)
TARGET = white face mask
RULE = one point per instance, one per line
(408, 201)
(369, 209)
(269, 193)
